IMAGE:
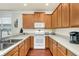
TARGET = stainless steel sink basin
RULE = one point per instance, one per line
(7, 43)
(4, 45)
(11, 41)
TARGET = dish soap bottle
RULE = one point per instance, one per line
(21, 30)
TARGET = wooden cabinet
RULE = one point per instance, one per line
(32, 42)
(60, 53)
(69, 53)
(39, 16)
(51, 45)
(46, 42)
(61, 50)
(54, 48)
(54, 19)
(13, 52)
(28, 21)
(74, 14)
(65, 15)
(47, 21)
(27, 45)
(59, 16)
(22, 49)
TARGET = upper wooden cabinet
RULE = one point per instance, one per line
(39, 16)
(28, 21)
(59, 16)
(47, 21)
(54, 19)
(74, 14)
(65, 15)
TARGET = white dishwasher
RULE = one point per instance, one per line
(39, 39)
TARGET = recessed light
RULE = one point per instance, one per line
(46, 4)
(25, 4)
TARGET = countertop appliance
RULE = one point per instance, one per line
(39, 36)
(74, 37)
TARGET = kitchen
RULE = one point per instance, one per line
(39, 29)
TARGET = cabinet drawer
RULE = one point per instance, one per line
(12, 52)
(69, 53)
(63, 49)
(60, 53)
(22, 44)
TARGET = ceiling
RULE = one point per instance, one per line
(29, 7)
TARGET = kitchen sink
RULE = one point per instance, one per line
(5, 45)
(11, 41)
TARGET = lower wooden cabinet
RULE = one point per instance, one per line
(51, 45)
(22, 49)
(57, 49)
(47, 42)
(60, 53)
(13, 52)
(32, 42)
(69, 53)
(54, 48)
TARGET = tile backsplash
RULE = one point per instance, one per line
(66, 31)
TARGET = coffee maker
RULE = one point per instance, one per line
(74, 37)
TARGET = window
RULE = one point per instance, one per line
(6, 25)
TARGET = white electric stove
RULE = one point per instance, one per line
(39, 36)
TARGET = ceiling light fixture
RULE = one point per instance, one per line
(46, 4)
(25, 4)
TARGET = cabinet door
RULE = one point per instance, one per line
(47, 21)
(13, 52)
(47, 42)
(59, 16)
(54, 48)
(51, 45)
(28, 21)
(26, 47)
(69, 53)
(22, 49)
(32, 42)
(60, 53)
(42, 17)
(36, 16)
(61, 50)
(54, 20)
(65, 15)
(39, 16)
(53, 24)
(74, 14)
